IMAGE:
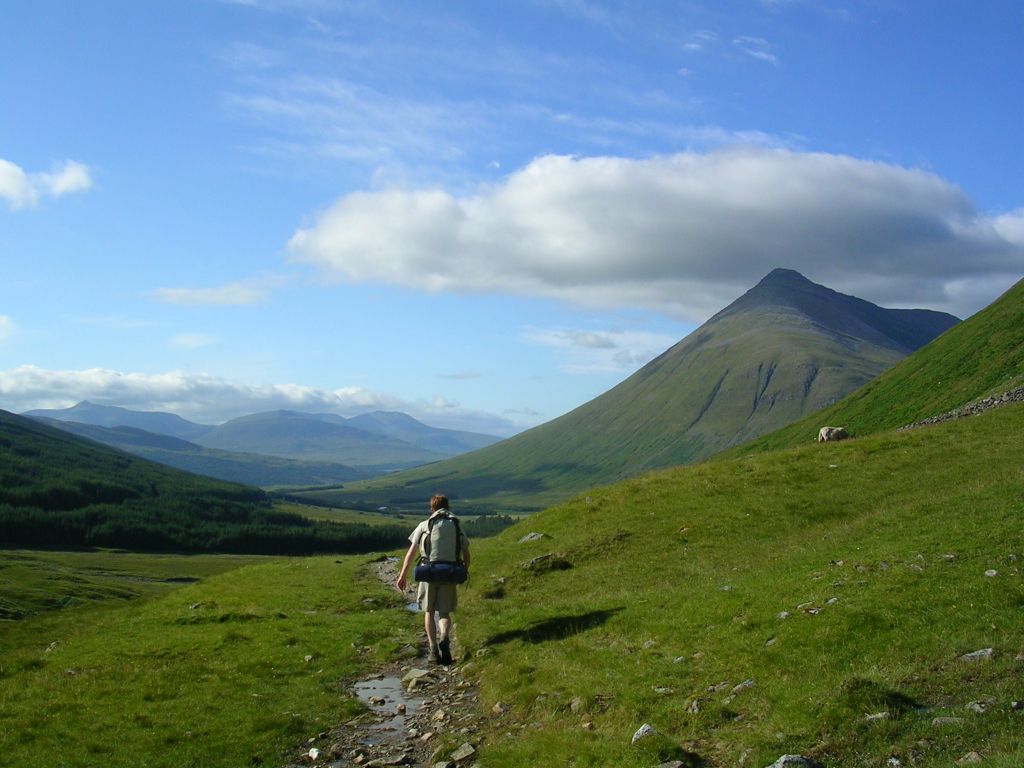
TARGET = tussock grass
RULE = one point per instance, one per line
(211, 674)
(877, 549)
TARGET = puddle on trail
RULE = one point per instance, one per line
(383, 696)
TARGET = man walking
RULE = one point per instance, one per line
(439, 538)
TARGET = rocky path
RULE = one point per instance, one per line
(418, 715)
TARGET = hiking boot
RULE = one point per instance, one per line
(445, 648)
(435, 657)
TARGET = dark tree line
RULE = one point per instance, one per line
(57, 490)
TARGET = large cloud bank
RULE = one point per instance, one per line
(682, 234)
(210, 399)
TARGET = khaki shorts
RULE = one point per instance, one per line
(437, 597)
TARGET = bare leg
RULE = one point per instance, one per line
(431, 629)
(444, 624)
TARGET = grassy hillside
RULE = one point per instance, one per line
(785, 349)
(58, 490)
(981, 355)
(745, 608)
(767, 605)
(238, 669)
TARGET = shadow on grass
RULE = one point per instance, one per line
(557, 628)
(862, 695)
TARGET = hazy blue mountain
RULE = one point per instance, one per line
(376, 441)
(114, 416)
(246, 468)
(404, 427)
(311, 437)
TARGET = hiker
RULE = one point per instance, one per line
(439, 538)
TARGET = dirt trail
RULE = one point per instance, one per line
(413, 707)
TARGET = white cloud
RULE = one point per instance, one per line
(15, 186)
(601, 351)
(239, 293)
(684, 234)
(24, 190)
(72, 177)
(6, 328)
(211, 399)
(756, 47)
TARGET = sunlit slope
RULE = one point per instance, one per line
(981, 355)
(786, 348)
(767, 605)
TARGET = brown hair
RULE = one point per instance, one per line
(438, 501)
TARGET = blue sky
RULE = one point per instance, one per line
(483, 213)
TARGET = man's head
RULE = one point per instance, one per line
(438, 501)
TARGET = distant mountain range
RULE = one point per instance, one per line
(781, 351)
(272, 448)
(247, 468)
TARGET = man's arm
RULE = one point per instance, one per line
(409, 556)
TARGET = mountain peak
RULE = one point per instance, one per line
(781, 274)
(788, 291)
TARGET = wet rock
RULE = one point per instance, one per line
(415, 674)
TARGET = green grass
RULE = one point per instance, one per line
(678, 578)
(210, 674)
(335, 515)
(34, 582)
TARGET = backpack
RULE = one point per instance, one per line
(441, 550)
(442, 542)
